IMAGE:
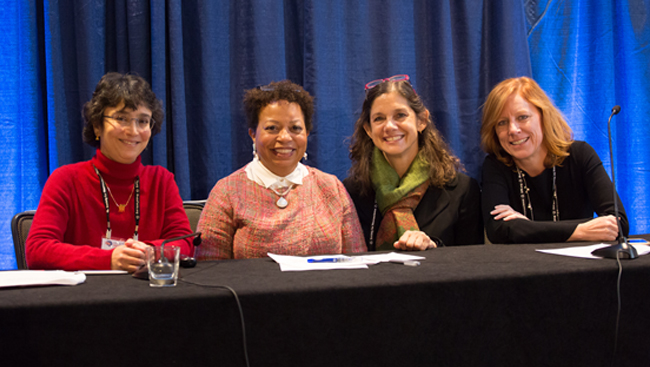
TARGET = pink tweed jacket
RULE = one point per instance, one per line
(240, 219)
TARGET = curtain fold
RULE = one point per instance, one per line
(200, 56)
(590, 56)
(22, 112)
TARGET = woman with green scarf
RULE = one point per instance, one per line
(404, 180)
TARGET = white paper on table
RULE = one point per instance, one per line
(585, 251)
(104, 272)
(24, 278)
(393, 257)
(301, 263)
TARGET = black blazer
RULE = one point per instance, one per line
(450, 216)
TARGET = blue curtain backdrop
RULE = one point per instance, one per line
(591, 55)
(200, 56)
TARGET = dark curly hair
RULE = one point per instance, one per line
(111, 90)
(443, 165)
(257, 98)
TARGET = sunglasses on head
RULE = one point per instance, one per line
(394, 78)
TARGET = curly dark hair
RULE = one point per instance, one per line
(113, 89)
(257, 98)
(443, 165)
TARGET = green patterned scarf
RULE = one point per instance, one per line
(397, 198)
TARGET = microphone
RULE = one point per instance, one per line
(623, 249)
(186, 261)
(198, 234)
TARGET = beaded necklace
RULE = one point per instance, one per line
(524, 194)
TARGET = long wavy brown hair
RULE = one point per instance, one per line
(432, 148)
(558, 136)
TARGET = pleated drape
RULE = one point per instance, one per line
(201, 55)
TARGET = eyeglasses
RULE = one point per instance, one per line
(141, 124)
(394, 78)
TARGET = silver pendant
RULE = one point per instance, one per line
(282, 203)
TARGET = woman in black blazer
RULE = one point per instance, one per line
(404, 181)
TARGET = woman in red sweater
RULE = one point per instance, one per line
(103, 213)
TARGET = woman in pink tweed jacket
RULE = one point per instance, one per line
(276, 204)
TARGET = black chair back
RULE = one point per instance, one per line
(193, 210)
(20, 225)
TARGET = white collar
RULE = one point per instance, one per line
(257, 172)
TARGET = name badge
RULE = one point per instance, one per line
(109, 244)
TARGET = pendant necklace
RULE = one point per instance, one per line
(121, 208)
(282, 202)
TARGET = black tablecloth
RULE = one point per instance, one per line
(492, 305)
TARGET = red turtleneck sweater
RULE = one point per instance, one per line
(70, 219)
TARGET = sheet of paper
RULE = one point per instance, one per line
(29, 278)
(298, 263)
(301, 263)
(104, 272)
(394, 257)
(585, 251)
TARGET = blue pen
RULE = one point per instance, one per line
(329, 260)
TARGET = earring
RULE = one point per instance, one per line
(254, 151)
(304, 156)
(96, 137)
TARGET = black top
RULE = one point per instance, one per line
(583, 187)
(449, 216)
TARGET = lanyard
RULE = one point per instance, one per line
(371, 246)
(136, 187)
